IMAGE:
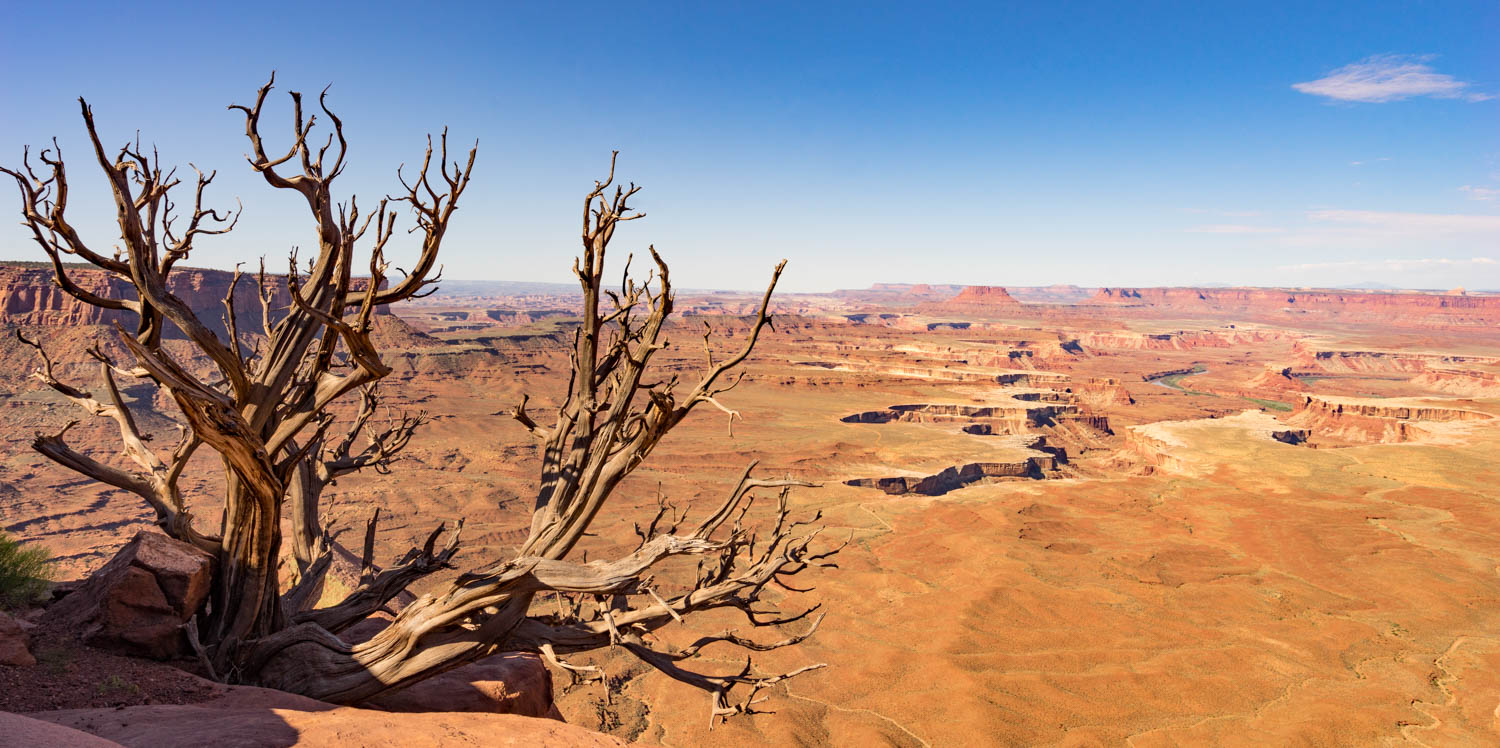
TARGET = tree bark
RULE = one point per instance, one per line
(268, 409)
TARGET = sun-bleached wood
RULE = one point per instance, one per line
(267, 412)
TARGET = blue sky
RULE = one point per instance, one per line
(996, 143)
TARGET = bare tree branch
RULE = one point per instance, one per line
(268, 414)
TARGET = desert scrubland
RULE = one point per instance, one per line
(1076, 516)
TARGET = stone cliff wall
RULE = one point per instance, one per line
(1374, 409)
(974, 300)
(29, 295)
(983, 295)
(1469, 383)
(1407, 309)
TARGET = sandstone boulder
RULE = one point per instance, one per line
(20, 730)
(136, 604)
(13, 648)
(510, 683)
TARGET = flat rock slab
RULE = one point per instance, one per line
(247, 717)
(19, 729)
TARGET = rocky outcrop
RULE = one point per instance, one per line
(990, 419)
(1154, 449)
(1101, 392)
(1175, 447)
(1363, 362)
(940, 372)
(1277, 380)
(1182, 340)
(137, 603)
(1446, 370)
(1371, 421)
(938, 413)
(1164, 373)
(1291, 436)
(517, 318)
(1031, 378)
(1027, 355)
(974, 300)
(984, 295)
(1465, 382)
(14, 648)
(29, 295)
(957, 477)
(1375, 409)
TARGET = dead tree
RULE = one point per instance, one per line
(265, 411)
(325, 461)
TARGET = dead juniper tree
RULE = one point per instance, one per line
(258, 403)
(266, 411)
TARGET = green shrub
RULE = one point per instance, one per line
(24, 573)
(116, 686)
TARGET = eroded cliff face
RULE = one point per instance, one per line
(1227, 510)
(978, 300)
(1340, 407)
(1336, 420)
(1102, 392)
(31, 300)
(1151, 450)
(959, 476)
(1019, 417)
(1345, 361)
(1405, 309)
(1277, 381)
(983, 295)
(1181, 340)
(31, 296)
(1466, 382)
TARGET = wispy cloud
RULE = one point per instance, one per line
(1329, 228)
(1392, 266)
(1393, 231)
(1410, 223)
(1224, 213)
(1480, 193)
(1385, 78)
(1371, 161)
(1232, 228)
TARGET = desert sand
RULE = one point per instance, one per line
(1140, 516)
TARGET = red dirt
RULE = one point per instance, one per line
(1187, 578)
(69, 675)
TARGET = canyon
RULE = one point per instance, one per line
(29, 295)
(1076, 516)
(1407, 309)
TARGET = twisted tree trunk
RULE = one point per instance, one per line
(267, 413)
